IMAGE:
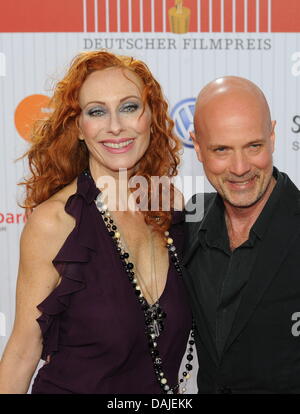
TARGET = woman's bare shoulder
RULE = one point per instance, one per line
(50, 216)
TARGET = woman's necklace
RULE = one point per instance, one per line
(157, 314)
(150, 289)
(153, 314)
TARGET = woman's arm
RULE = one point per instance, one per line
(41, 239)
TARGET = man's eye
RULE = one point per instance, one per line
(96, 112)
(220, 149)
(255, 145)
(131, 107)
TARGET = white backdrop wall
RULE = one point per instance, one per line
(32, 57)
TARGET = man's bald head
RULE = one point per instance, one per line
(230, 96)
(234, 139)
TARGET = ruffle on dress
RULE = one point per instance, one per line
(75, 252)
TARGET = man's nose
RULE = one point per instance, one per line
(239, 164)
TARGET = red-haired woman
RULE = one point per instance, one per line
(99, 295)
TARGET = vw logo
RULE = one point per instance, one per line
(182, 115)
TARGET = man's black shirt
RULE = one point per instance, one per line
(225, 273)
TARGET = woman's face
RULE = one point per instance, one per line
(112, 122)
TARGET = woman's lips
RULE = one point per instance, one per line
(118, 146)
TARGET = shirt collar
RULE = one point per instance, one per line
(213, 224)
(262, 222)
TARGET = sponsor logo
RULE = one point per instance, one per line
(29, 110)
(11, 218)
(182, 115)
(296, 130)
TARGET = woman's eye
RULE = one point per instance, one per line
(96, 112)
(131, 107)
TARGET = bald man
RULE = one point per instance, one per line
(242, 264)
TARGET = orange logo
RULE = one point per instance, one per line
(28, 111)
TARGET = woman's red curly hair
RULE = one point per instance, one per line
(56, 155)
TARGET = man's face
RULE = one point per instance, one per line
(236, 150)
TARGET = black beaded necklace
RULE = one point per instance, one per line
(153, 314)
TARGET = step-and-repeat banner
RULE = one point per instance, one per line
(185, 43)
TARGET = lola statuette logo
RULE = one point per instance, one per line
(179, 18)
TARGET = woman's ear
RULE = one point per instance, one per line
(80, 134)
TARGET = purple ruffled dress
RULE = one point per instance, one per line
(92, 324)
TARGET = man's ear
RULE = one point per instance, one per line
(196, 145)
(273, 136)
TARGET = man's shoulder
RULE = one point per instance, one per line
(195, 209)
(289, 183)
(198, 204)
(290, 193)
